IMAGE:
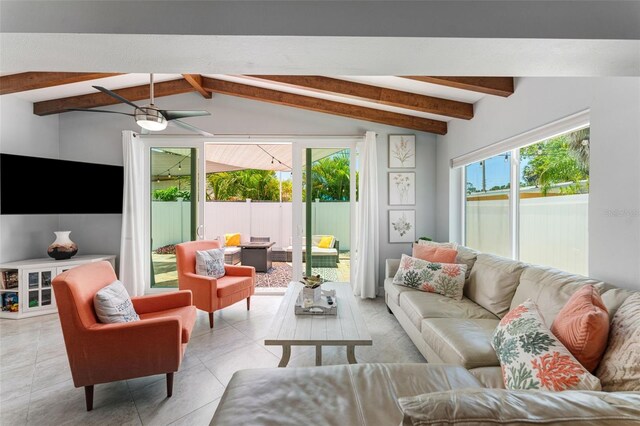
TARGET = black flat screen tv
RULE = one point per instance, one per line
(34, 185)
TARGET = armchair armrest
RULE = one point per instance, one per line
(124, 350)
(391, 267)
(162, 302)
(240, 271)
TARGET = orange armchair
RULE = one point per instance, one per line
(102, 353)
(211, 294)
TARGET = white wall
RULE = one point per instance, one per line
(97, 138)
(614, 199)
(23, 133)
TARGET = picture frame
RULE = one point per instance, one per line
(402, 151)
(402, 188)
(402, 226)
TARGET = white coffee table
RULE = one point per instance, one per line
(347, 328)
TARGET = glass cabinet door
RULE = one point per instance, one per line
(39, 290)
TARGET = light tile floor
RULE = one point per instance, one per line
(36, 386)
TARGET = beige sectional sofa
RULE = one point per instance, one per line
(448, 331)
(465, 391)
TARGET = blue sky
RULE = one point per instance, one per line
(496, 170)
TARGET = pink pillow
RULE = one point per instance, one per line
(582, 325)
(434, 254)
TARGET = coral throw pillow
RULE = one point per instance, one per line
(434, 253)
(442, 278)
(619, 370)
(231, 240)
(582, 325)
(532, 358)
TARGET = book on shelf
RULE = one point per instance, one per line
(8, 280)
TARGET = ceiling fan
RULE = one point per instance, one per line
(150, 117)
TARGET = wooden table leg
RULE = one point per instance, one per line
(318, 354)
(286, 354)
(351, 354)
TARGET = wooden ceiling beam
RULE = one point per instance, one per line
(379, 95)
(498, 86)
(15, 83)
(325, 106)
(99, 99)
(195, 80)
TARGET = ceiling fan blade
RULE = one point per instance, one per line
(116, 96)
(175, 114)
(189, 127)
(98, 110)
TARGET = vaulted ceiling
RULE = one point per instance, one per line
(424, 103)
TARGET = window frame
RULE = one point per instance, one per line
(552, 130)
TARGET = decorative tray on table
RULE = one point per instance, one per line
(312, 300)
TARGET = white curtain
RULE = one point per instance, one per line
(132, 260)
(367, 231)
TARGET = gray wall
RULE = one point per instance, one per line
(614, 200)
(97, 138)
(22, 133)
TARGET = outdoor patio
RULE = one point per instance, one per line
(279, 276)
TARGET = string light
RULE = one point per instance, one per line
(169, 175)
(180, 166)
(506, 158)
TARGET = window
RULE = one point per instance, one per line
(544, 221)
(554, 199)
(487, 205)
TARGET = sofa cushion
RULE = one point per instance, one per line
(619, 369)
(393, 291)
(582, 325)
(113, 304)
(498, 406)
(359, 394)
(465, 342)
(550, 289)
(532, 358)
(449, 245)
(326, 242)
(468, 257)
(419, 305)
(187, 316)
(613, 298)
(490, 377)
(443, 278)
(493, 282)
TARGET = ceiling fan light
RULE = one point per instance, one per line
(151, 120)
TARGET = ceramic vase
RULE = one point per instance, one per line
(62, 248)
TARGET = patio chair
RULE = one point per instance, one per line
(211, 294)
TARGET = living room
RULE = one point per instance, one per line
(565, 78)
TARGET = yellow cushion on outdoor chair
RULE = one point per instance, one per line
(326, 241)
(231, 240)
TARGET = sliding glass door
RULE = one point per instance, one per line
(324, 185)
(175, 206)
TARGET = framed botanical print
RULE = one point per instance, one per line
(402, 151)
(402, 188)
(402, 226)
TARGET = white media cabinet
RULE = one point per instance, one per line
(34, 276)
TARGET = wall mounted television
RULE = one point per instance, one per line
(34, 185)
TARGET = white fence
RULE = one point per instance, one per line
(553, 230)
(259, 219)
(170, 222)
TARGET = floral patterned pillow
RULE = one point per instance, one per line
(532, 358)
(442, 278)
